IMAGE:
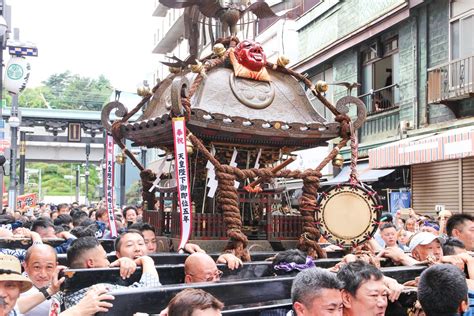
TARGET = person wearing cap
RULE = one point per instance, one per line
(12, 284)
(423, 246)
(426, 247)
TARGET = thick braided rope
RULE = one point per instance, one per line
(227, 195)
(228, 200)
(148, 177)
(209, 64)
(354, 155)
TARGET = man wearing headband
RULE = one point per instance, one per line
(430, 227)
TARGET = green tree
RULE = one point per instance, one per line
(67, 91)
(33, 98)
(59, 179)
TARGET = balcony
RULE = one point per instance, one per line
(451, 81)
(381, 100)
(171, 38)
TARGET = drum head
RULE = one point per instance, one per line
(348, 214)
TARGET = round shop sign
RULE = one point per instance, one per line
(17, 74)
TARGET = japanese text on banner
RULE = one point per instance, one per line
(182, 178)
(109, 189)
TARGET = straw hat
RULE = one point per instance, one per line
(10, 270)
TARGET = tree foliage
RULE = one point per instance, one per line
(60, 179)
(67, 91)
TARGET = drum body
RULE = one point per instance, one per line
(348, 214)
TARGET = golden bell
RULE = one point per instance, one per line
(321, 86)
(198, 67)
(120, 159)
(219, 49)
(338, 161)
(283, 61)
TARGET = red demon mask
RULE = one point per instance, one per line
(250, 55)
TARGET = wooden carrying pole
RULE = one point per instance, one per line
(251, 186)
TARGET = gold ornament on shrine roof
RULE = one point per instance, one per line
(174, 70)
(283, 61)
(198, 67)
(321, 86)
(219, 49)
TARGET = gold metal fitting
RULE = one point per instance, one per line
(338, 161)
(283, 61)
(198, 67)
(321, 86)
(277, 125)
(143, 91)
(189, 146)
(120, 159)
(219, 49)
(174, 70)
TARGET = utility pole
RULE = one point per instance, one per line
(2, 122)
(88, 152)
(14, 122)
(123, 167)
(22, 161)
(78, 170)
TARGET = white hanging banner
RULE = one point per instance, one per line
(234, 164)
(211, 175)
(109, 185)
(17, 74)
(257, 161)
(158, 174)
(182, 178)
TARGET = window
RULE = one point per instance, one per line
(379, 75)
(462, 37)
(327, 76)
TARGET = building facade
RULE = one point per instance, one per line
(413, 59)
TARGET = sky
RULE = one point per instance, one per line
(89, 38)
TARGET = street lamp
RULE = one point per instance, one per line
(17, 74)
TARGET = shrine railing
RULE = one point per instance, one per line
(205, 226)
(166, 220)
(284, 227)
(211, 226)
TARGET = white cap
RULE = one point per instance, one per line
(423, 238)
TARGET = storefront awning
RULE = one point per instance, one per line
(366, 174)
(451, 144)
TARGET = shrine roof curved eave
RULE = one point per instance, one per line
(158, 132)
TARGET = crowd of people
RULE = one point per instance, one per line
(31, 279)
